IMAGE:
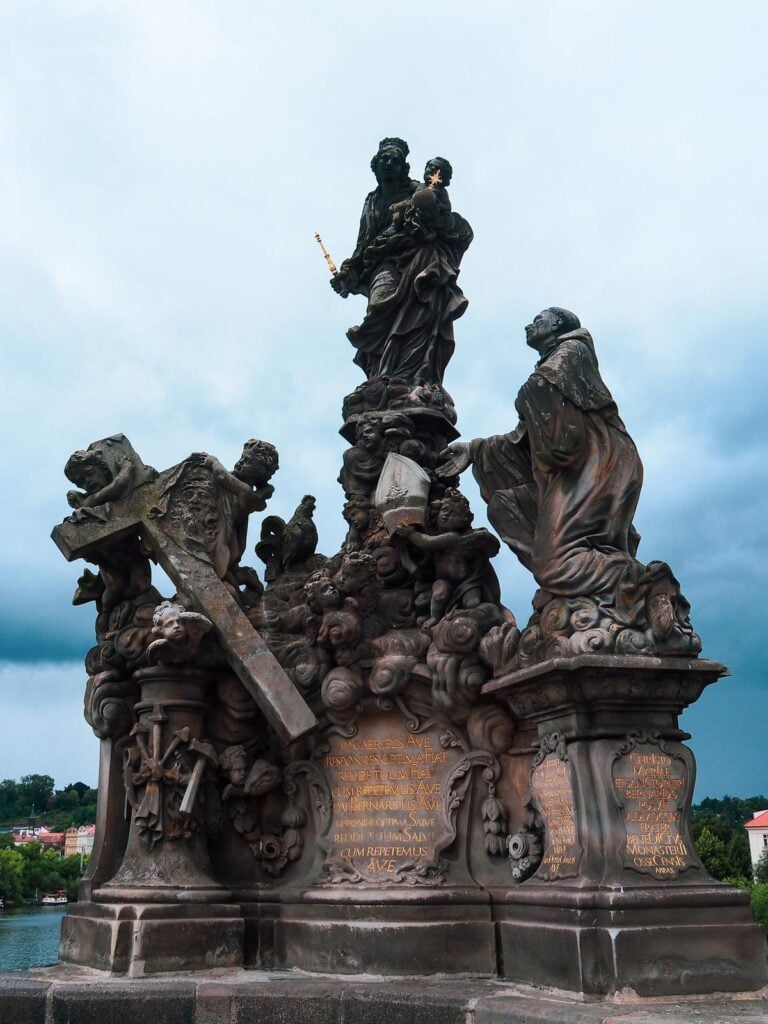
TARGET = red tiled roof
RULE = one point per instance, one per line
(761, 821)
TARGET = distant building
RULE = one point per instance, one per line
(79, 840)
(38, 834)
(757, 830)
(70, 842)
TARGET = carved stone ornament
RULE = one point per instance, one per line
(525, 853)
(402, 492)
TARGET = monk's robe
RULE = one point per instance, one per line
(562, 487)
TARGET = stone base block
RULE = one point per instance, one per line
(393, 938)
(652, 942)
(259, 943)
(140, 939)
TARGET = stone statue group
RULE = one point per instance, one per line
(562, 487)
(374, 721)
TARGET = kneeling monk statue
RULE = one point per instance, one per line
(562, 489)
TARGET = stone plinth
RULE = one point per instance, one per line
(392, 891)
(620, 898)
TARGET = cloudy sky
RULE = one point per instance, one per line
(164, 166)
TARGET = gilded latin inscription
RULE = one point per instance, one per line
(385, 785)
(651, 786)
(553, 795)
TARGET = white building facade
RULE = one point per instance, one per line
(757, 830)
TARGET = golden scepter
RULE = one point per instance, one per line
(331, 265)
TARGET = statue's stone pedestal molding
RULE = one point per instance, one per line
(162, 910)
(620, 898)
(137, 939)
(436, 932)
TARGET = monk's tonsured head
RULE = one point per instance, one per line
(549, 324)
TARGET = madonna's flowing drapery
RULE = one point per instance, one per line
(413, 297)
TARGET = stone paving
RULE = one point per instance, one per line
(66, 995)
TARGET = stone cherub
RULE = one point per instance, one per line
(460, 556)
(212, 506)
(366, 526)
(377, 434)
(242, 785)
(363, 462)
(106, 470)
(262, 777)
(177, 633)
(341, 605)
(429, 207)
(249, 479)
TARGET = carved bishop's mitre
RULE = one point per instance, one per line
(402, 493)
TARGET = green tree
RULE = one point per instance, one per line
(41, 869)
(70, 871)
(34, 791)
(9, 793)
(760, 904)
(713, 853)
(731, 809)
(761, 868)
(739, 858)
(6, 841)
(11, 872)
(720, 829)
(66, 799)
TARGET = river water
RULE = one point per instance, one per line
(29, 937)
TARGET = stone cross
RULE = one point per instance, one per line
(245, 649)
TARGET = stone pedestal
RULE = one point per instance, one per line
(620, 898)
(162, 910)
(392, 891)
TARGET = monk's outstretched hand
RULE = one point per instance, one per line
(454, 459)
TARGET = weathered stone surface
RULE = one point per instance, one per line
(537, 1010)
(159, 1002)
(299, 1001)
(361, 764)
(162, 938)
(69, 997)
(384, 936)
(22, 999)
(619, 898)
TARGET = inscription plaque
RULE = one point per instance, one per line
(552, 793)
(385, 785)
(651, 786)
